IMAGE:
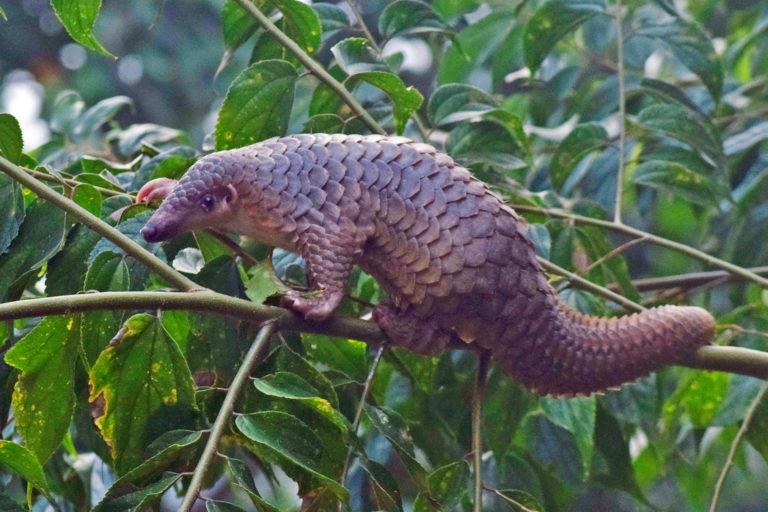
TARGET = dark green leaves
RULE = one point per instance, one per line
(688, 42)
(23, 463)
(43, 399)
(301, 22)
(140, 388)
(359, 60)
(257, 104)
(290, 439)
(78, 17)
(41, 235)
(11, 142)
(551, 22)
(583, 140)
(408, 17)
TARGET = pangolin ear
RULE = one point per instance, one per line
(231, 195)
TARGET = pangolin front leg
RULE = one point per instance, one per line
(330, 254)
(404, 328)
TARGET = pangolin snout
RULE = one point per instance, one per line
(159, 229)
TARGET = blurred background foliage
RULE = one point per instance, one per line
(525, 93)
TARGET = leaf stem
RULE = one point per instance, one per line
(359, 411)
(622, 109)
(227, 406)
(72, 208)
(736, 440)
(478, 396)
(313, 66)
(650, 238)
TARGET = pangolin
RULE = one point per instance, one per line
(455, 261)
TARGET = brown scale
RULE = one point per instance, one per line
(456, 261)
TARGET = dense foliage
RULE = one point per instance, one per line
(109, 406)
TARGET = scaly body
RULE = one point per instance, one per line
(455, 261)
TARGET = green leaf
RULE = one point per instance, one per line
(141, 387)
(332, 17)
(12, 206)
(484, 142)
(41, 235)
(301, 23)
(78, 17)
(477, 43)
(679, 180)
(520, 501)
(449, 483)
(553, 21)
(688, 42)
(324, 123)
(263, 283)
(347, 356)
(236, 24)
(242, 477)
(409, 17)
(167, 164)
(666, 92)
(756, 431)
(451, 103)
(291, 439)
(163, 451)
(130, 498)
(44, 398)
(95, 117)
(385, 493)
(405, 100)
(291, 386)
(88, 197)
(130, 140)
(577, 415)
(704, 396)
(22, 462)
(392, 426)
(2, 14)
(67, 269)
(257, 105)
(67, 107)
(11, 142)
(583, 140)
(356, 55)
(107, 272)
(614, 449)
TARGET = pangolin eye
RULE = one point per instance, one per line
(207, 202)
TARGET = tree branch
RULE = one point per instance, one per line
(478, 397)
(744, 361)
(220, 424)
(113, 235)
(654, 239)
(312, 65)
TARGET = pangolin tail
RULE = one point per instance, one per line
(581, 354)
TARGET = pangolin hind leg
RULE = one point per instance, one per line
(404, 328)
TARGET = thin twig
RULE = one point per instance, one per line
(589, 285)
(622, 110)
(735, 444)
(369, 35)
(313, 66)
(650, 238)
(45, 192)
(690, 280)
(363, 26)
(73, 183)
(514, 502)
(616, 250)
(227, 407)
(478, 396)
(359, 412)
